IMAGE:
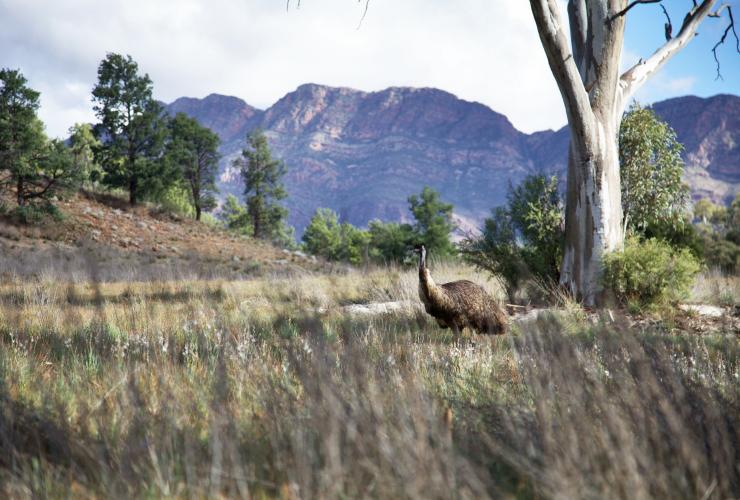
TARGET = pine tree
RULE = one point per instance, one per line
(32, 165)
(263, 188)
(132, 129)
(193, 150)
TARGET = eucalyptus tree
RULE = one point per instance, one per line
(595, 92)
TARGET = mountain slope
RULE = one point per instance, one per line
(363, 153)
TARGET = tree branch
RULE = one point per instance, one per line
(578, 19)
(626, 9)
(668, 25)
(562, 64)
(638, 74)
(724, 35)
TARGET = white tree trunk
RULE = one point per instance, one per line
(593, 211)
(595, 95)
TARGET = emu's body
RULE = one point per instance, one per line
(459, 304)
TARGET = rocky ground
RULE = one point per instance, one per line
(102, 234)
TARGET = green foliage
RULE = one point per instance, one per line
(651, 169)
(35, 167)
(524, 238)
(327, 238)
(433, 222)
(722, 253)
(36, 213)
(82, 145)
(193, 150)
(176, 199)
(649, 272)
(718, 232)
(235, 216)
(132, 130)
(390, 241)
(21, 133)
(263, 188)
(707, 212)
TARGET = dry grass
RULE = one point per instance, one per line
(265, 388)
(716, 287)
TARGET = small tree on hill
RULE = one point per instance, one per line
(433, 222)
(193, 149)
(263, 188)
(132, 129)
(390, 241)
(29, 163)
(82, 145)
(235, 217)
(325, 236)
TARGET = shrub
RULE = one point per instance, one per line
(649, 272)
(325, 236)
(523, 239)
(36, 213)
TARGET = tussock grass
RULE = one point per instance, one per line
(265, 388)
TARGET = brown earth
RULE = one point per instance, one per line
(102, 235)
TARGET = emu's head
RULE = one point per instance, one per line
(419, 249)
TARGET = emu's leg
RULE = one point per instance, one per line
(455, 329)
(441, 323)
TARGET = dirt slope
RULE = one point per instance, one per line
(102, 235)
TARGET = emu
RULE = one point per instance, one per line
(459, 304)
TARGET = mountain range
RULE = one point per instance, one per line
(363, 153)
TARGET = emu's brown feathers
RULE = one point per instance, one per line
(460, 304)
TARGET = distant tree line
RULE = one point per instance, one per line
(383, 242)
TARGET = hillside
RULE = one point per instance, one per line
(101, 238)
(363, 153)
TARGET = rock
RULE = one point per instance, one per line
(142, 224)
(375, 308)
(235, 258)
(703, 310)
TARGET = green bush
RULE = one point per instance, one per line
(524, 239)
(36, 213)
(649, 272)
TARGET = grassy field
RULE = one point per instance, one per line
(272, 388)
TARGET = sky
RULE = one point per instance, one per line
(480, 50)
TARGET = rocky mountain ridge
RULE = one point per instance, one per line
(363, 153)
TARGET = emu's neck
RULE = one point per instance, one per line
(427, 286)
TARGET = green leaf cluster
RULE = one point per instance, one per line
(654, 197)
(433, 222)
(524, 238)
(718, 231)
(649, 272)
(326, 237)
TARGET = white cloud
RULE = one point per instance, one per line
(254, 49)
(664, 86)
